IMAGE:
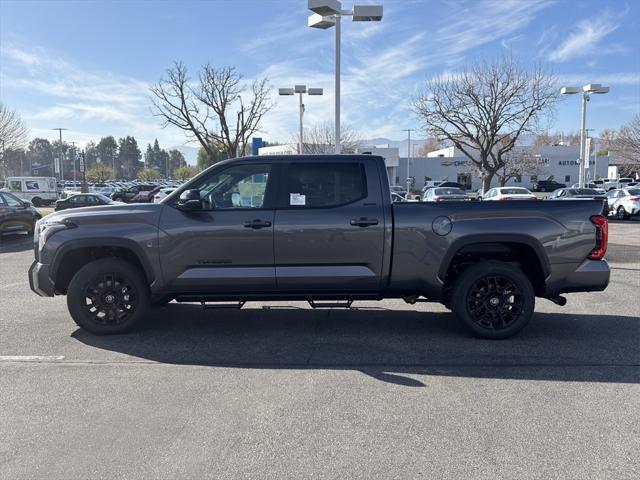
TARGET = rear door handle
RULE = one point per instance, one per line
(257, 223)
(364, 222)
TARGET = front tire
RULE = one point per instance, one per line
(37, 202)
(108, 296)
(493, 300)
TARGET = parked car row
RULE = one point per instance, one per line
(622, 203)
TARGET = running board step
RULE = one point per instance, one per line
(314, 304)
(213, 306)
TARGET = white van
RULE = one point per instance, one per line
(37, 190)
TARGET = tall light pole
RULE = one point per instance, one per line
(60, 153)
(327, 14)
(300, 89)
(586, 91)
(408, 130)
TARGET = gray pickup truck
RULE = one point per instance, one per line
(321, 229)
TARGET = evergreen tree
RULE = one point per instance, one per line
(91, 154)
(107, 151)
(149, 157)
(128, 157)
(176, 160)
(40, 157)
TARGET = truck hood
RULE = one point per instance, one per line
(111, 214)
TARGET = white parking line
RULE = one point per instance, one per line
(30, 358)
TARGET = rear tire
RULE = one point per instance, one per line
(108, 296)
(36, 201)
(621, 213)
(493, 300)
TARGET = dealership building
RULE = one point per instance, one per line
(555, 162)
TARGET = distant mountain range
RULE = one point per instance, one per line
(190, 153)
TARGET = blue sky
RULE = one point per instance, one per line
(87, 65)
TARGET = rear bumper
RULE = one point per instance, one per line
(590, 276)
(39, 280)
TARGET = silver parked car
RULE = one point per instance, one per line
(445, 194)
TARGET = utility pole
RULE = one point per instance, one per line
(60, 153)
(408, 130)
(74, 162)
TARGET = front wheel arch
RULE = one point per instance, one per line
(75, 254)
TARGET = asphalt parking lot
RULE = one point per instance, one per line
(387, 390)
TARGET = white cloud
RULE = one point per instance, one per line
(484, 22)
(82, 98)
(585, 39)
(611, 78)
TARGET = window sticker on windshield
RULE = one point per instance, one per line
(297, 199)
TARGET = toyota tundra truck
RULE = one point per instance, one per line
(322, 229)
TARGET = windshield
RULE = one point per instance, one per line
(104, 198)
(448, 191)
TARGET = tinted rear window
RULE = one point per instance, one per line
(634, 191)
(448, 191)
(584, 191)
(514, 191)
(324, 184)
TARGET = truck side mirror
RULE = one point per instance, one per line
(190, 200)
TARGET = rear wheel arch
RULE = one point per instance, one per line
(524, 251)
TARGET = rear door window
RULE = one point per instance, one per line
(323, 185)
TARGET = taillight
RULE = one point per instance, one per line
(634, 199)
(438, 199)
(506, 198)
(602, 237)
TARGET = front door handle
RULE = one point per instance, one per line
(363, 222)
(257, 223)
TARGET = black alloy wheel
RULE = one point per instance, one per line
(494, 302)
(493, 299)
(108, 296)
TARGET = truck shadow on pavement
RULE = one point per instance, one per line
(389, 345)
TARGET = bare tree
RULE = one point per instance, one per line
(519, 162)
(626, 145)
(484, 110)
(212, 110)
(14, 134)
(320, 139)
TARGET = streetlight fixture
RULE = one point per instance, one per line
(586, 91)
(300, 89)
(327, 14)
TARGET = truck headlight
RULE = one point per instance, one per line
(46, 227)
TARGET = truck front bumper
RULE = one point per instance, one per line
(39, 280)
